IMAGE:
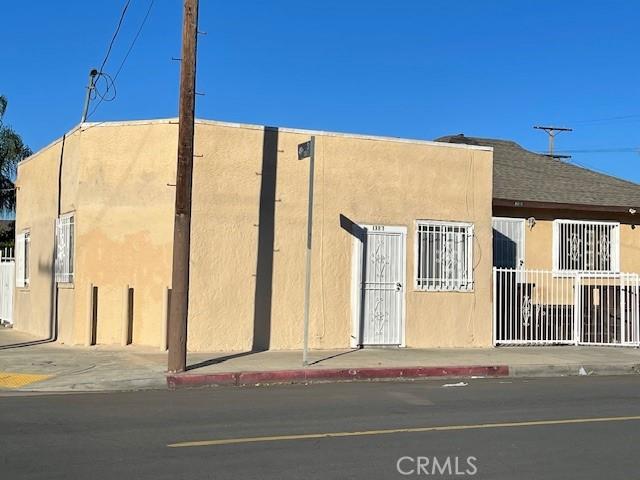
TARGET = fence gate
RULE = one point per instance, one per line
(539, 307)
(607, 309)
(7, 282)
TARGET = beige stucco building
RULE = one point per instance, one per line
(402, 233)
(566, 250)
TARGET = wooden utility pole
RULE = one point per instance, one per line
(552, 132)
(177, 331)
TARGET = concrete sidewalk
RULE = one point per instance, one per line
(28, 364)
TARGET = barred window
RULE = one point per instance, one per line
(444, 256)
(64, 248)
(581, 246)
(23, 242)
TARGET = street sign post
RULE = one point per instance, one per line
(307, 150)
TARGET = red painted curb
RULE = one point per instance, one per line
(275, 376)
(180, 380)
(186, 380)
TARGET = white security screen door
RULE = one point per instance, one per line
(508, 242)
(379, 274)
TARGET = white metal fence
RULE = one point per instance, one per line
(7, 282)
(539, 307)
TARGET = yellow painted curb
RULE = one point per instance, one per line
(17, 380)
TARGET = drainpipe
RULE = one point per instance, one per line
(54, 314)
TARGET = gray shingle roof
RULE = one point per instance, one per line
(519, 174)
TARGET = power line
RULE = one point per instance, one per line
(135, 39)
(607, 119)
(124, 59)
(115, 34)
(604, 150)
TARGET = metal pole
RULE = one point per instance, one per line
(307, 285)
(92, 77)
(177, 329)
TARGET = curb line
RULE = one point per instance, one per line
(186, 380)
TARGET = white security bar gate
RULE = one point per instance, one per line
(7, 281)
(379, 286)
(538, 307)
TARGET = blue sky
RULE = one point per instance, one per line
(417, 69)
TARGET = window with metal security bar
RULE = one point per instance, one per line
(444, 252)
(586, 246)
(23, 242)
(64, 248)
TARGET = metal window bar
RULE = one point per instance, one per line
(586, 246)
(444, 253)
(27, 251)
(64, 266)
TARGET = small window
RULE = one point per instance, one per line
(444, 256)
(580, 246)
(23, 242)
(64, 248)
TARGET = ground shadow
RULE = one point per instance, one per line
(217, 360)
(335, 355)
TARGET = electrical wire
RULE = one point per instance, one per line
(112, 81)
(135, 39)
(110, 85)
(115, 35)
(607, 119)
(603, 150)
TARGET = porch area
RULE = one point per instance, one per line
(542, 307)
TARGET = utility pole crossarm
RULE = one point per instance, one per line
(552, 132)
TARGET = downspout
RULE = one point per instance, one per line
(54, 314)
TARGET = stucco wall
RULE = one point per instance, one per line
(249, 224)
(125, 228)
(37, 209)
(248, 232)
(539, 239)
(118, 183)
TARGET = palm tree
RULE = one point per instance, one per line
(12, 150)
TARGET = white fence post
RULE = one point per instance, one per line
(577, 317)
(494, 329)
(7, 285)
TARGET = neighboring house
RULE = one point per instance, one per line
(401, 253)
(570, 232)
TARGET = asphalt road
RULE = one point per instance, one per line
(561, 428)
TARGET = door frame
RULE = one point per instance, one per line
(356, 279)
(523, 225)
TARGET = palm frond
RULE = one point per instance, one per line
(12, 151)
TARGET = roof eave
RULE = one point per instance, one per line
(502, 202)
